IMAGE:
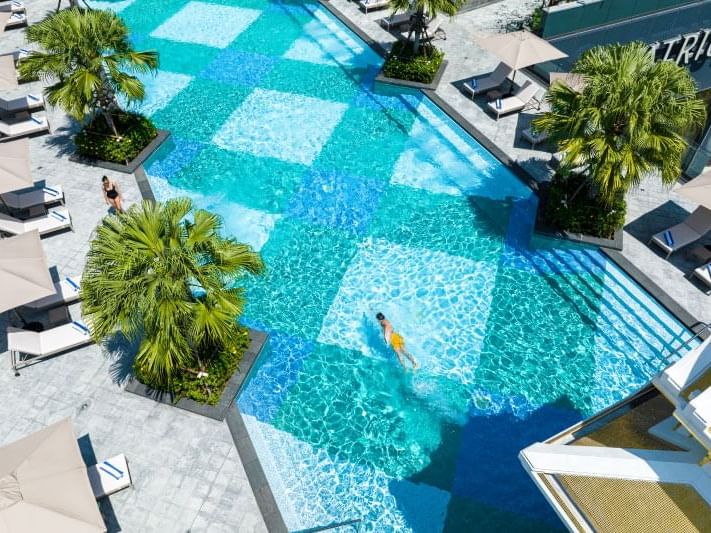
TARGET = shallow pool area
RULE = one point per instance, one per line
(365, 198)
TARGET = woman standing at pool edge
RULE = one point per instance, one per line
(112, 195)
(395, 340)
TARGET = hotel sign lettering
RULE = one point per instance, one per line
(684, 49)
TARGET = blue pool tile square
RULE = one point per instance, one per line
(172, 157)
(208, 24)
(284, 126)
(337, 200)
(242, 68)
(278, 370)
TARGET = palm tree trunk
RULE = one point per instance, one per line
(418, 27)
(110, 121)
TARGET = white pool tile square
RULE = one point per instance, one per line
(285, 126)
(249, 226)
(439, 303)
(449, 162)
(160, 89)
(209, 24)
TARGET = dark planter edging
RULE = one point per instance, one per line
(382, 78)
(544, 229)
(131, 167)
(257, 339)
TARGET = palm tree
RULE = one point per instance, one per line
(161, 273)
(88, 57)
(424, 10)
(629, 120)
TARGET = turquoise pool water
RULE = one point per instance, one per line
(364, 198)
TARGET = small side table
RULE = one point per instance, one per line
(494, 95)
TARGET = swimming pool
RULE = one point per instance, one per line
(365, 198)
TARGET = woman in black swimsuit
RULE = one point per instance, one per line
(112, 195)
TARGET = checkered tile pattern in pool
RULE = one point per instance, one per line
(365, 197)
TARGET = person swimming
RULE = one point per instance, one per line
(396, 342)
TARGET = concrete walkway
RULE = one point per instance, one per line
(651, 208)
(186, 472)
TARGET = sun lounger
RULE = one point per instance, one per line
(512, 104)
(682, 374)
(370, 5)
(12, 7)
(46, 343)
(395, 20)
(696, 225)
(703, 273)
(30, 102)
(491, 81)
(22, 125)
(696, 415)
(55, 220)
(10, 20)
(47, 195)
(67, 292)
(534, 138)
(109, 476)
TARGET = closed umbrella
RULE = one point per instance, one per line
(697, 190)
(15, 171)
(8, 74)
(572, 80)
(24, 276)
(44, 485)
(519, 49)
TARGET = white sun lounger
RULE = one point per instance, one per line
(703, 274)
(515, 103)
(696, 225)
(30, 102)
(369, 5)
(109, 476)
(696, 415)
(12, 20)
(55, 220)
(13, 7)
(47, 195)
(395, 20)
(46, 343)
(67, 291)
(491, 81)
(680, 375)
(22, 125)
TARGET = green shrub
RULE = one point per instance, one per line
(96, 140)
(401, 64)
(206, 389)
(585, 214)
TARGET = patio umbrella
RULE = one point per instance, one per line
(572, 80)
(15, 171)
(8, 74)
(44, 485)
(24, 276)
(697, 190)
(519, 49)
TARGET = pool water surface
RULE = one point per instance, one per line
(364, 198)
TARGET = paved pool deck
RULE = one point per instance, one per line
(651, 208)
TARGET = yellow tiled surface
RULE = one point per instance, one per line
(629, 506)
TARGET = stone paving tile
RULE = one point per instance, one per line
(175, 457)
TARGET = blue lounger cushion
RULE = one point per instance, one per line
(73, 285)
(58, 216)
(80, 327)
(668, 238)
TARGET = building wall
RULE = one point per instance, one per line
(582, 14)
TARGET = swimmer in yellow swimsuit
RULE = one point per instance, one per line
(395, 340)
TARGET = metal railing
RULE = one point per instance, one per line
(355, 523)
(685, 344)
